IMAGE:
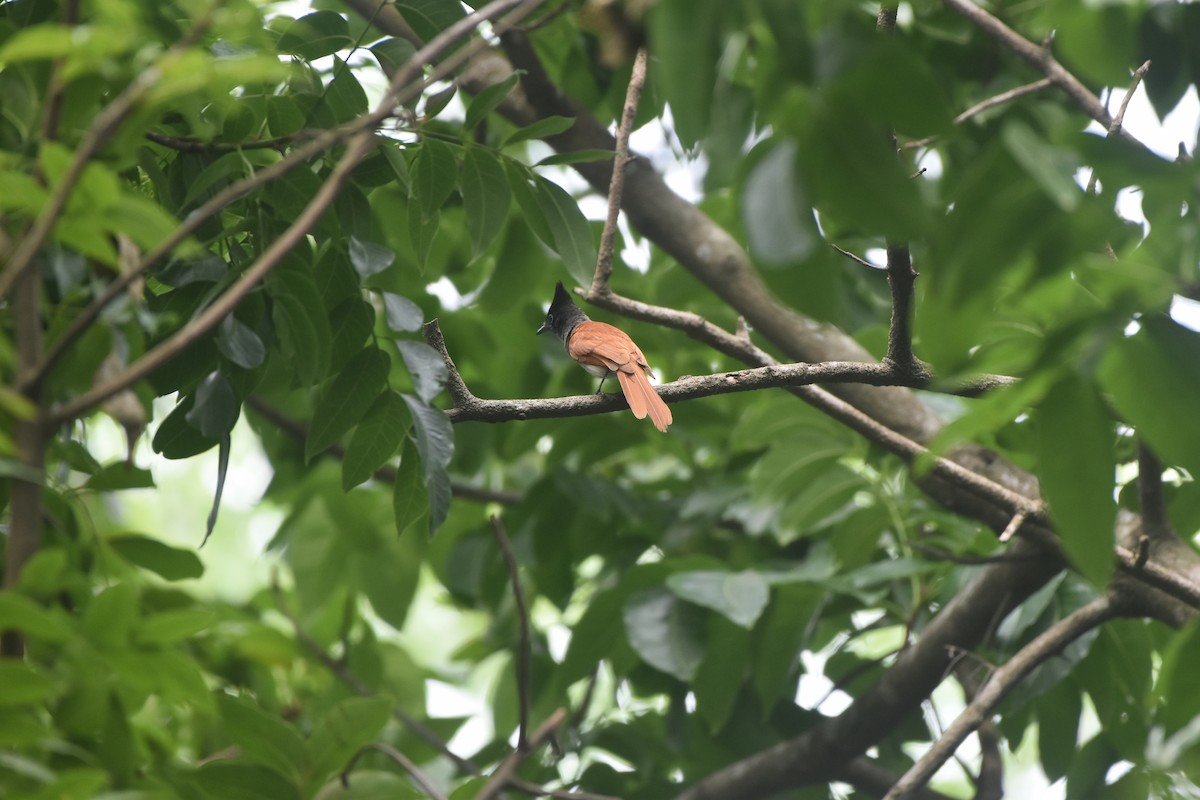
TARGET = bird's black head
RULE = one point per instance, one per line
(563, 315)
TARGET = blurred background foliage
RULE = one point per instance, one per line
(695, 597)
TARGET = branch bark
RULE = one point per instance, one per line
(1001, 682)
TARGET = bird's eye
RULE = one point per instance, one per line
(550, 318)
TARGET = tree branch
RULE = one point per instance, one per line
(1041, 59)
(508, 767)
(616, 188)
(420, 778)
(1001, 682)
(984, 105)
(523, 647)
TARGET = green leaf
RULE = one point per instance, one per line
(168, 627)
(344, 95)
(346, 398)
(427, 367)
(547, 126)
(1153, 381)
(572, 235)
(375, 439)
(685, 38)
(422, 231)
(719, 677)
(345, 728)
(434, 177)
(314, 35)
(1052, 168)
(430, 17)
(392, 54)
(216, 409)
(240, 781)
(167, 562)
(779, 639)
(302, 324)
(435, 443)
(486, 197)
(23, 684)
(487, 100)
(776, 213)
(410, 501)
(109, 618)
(22, 614)
(241, 345)
(369, 258)
(368, 784)
(176, 438)
(667, 633)
(39, 42)
(262, 737)
(522, 182)
(402, 314)
(739, 596)
(119, 476)
(1077, 469)
(1058, 713)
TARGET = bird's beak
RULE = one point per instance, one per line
(545, 327)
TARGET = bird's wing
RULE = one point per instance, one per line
(602, 345)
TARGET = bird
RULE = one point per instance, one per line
(603, 350)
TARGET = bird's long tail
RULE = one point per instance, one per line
(643, 400)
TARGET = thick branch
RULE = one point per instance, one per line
(816, 755)
(1001, 682)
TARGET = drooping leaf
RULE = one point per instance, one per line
(435, 443)
(739, 596)
(666, 632)
(410, 500)
(166, 561)
(346, 398)
(487, 100)
(375, 440)
(216, 408)
(369, 258)
(1077, 470)
(240, 344)
(428, 369)
(403, 315)
(486, 197)
(572, 235)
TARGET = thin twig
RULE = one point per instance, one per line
(524, 646)
(633, 96)
(508, 767)
(424, 783)
(356, 148)
(999, 684)
(1115, 126)
(348, 677)
(188, 145)
(858, 259)
(984, 105)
